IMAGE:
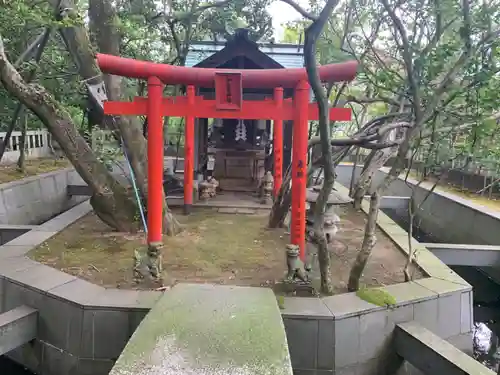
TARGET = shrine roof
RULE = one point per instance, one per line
(286, 55)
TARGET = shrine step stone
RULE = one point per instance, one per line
(17, 327)
(209, 329)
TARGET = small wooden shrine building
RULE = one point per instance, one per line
(238, 152)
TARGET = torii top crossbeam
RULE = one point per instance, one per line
(204, 77)
(228, 103)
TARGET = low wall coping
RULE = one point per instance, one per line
(456, 198)
(425, 185)
(25, 180)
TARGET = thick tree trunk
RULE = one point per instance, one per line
(80, 48)
(102, 17)
(369, 242)
(110, 199)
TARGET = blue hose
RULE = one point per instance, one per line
(136, 191)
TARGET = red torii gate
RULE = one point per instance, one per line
(228, 103)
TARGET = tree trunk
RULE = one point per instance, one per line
(282, 202)
(78, 43)
(102, 24)
(353, 172)
(312, 34)
(374, 162)
(369, 242)
(102, 18)
(22, 144)
(37, 48)
(110, 200)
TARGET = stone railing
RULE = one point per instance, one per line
(37, 145)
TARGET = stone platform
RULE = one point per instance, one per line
(83, 328)
(209, 329)
(228, 202)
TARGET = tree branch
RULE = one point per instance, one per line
(301, 10)
(407, 58)
(217, 4)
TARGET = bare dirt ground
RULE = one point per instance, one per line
(386, 262)
(9, 172)
(214, 248)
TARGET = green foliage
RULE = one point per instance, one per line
(105, 146)
(21, 22)
(221, 22)
(293, 32)
(145, 34)
(358, 29)
(437, 35)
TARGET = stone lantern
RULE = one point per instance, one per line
(331, 218)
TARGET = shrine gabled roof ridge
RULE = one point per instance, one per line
(286, 55)
(222, 43)
(277, 52)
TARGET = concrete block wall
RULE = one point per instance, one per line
(74, 338)
(447, 216)
(82, 327)
(345, 335)
(35, 199)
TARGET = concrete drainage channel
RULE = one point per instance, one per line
(24, 206)
(463, 235)
(10, 232)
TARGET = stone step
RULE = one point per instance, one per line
(17, 327)
(431, 354)
(466, 254)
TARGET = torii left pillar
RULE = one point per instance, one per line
(189, 153)
(155, 163)
(278, 141)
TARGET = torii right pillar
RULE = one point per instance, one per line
(299, 166)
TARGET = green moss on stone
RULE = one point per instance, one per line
(376, 296)
(281, 301)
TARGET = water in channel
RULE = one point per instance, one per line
(9, 367)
